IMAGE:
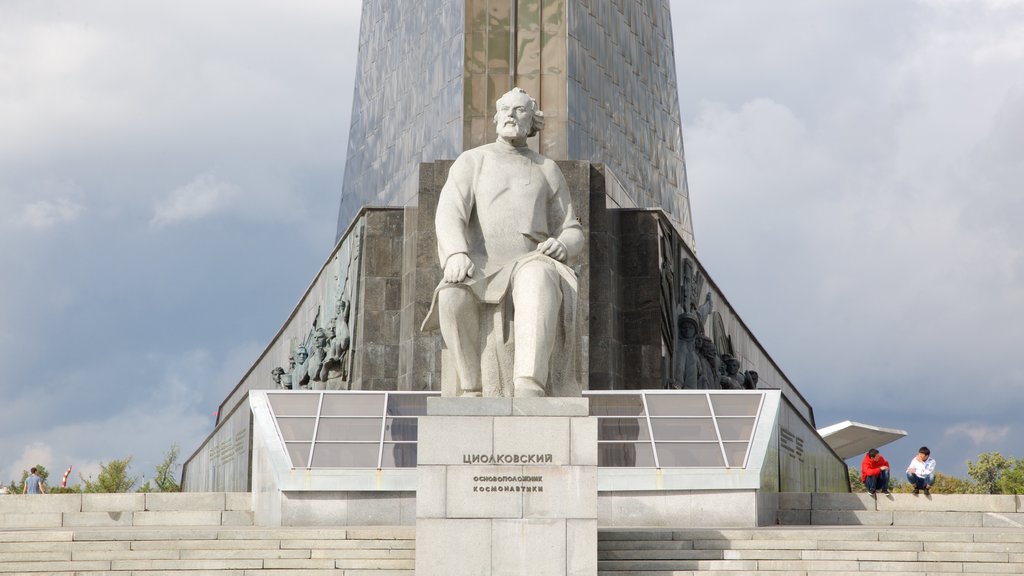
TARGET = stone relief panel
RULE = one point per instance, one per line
(320, 358)
(699, 349)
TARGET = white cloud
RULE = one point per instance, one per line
(980, 434)
(34, 453)
(200, 198)
(45, 214)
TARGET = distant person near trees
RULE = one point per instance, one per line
(921, 471)
(874, 472)
(33, 484)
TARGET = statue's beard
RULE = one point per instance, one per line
(512, 131)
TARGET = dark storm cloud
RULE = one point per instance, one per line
(165, 173)
(854, 172)
(169, 174)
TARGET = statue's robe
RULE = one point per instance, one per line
(499, 202)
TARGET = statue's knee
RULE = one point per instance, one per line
(538, 273)
(456, 300)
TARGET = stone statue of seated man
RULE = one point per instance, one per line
(506, 232)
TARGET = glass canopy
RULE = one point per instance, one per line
(636, 429)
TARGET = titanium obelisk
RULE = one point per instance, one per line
(603, 72)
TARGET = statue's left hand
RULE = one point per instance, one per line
(554, 249)
(458, 268)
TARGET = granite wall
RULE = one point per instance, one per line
(385, 269)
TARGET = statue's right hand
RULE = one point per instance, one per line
(458, 268)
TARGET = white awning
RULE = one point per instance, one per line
(849, 439)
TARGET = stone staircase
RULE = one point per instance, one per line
(203, 550)
(822, 551)
(836, 535)
(211, 534)
(184, 534)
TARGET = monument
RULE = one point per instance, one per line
(506, 232)
(513, 339)
(507, 467)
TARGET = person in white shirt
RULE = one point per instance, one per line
(921, 471)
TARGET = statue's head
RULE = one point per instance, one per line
(689, 326)
(732, 364)
(707, 347)
(301, 354)
(517, 115)
(320, 337)
(752, 379)
(277, 373)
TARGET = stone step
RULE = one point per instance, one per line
(822, 551)
(222, 551)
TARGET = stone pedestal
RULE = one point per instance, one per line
(506, 487)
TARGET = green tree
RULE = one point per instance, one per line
(72, 489)
(165, 478)
(945, 484)
(1012, 480)
(988, 471)
(113, 477)
(855, 484)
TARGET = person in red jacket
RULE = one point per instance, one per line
(874, 472)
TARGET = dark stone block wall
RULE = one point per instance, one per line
(626, 307)
(376, 337)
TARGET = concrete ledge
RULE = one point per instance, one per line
(794, 517)
(448, 406)
(347, 508)
(48, 536)
(36, 503)
(936, 519)
(31, 520)
(949, 502)
(53, 555)
(237, 518)
(171, 518)
(382, 533)
(996, 520)
(551, 407)
(794, 501)
(126, 554)
(238, 500)
(185, 501)
(81, 519)
(55, 567)
(851, 518)
(671, 509)
(140, 534)
(113, 502)
(841, 501)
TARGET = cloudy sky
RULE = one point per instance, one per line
(170, 172)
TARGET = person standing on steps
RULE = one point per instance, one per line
(33, 484)
(874, 472)
(921, 471)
